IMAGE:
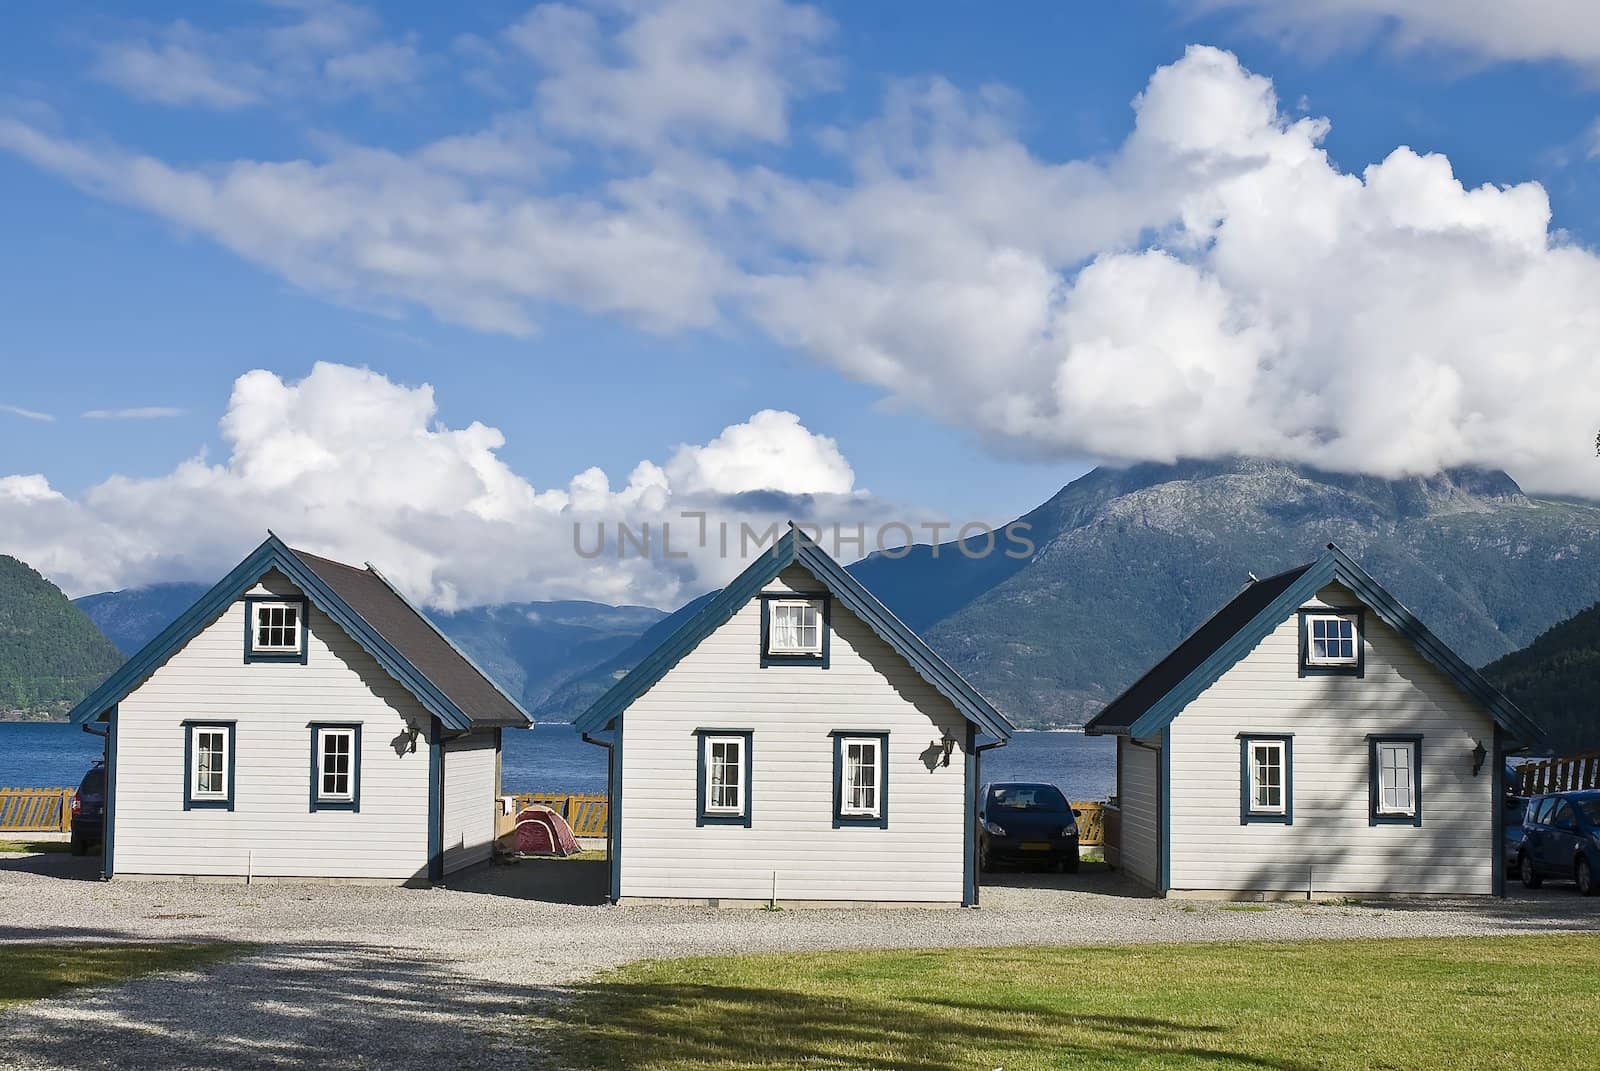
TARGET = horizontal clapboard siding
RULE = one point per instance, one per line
(469, 799)
(273, 705)
(1331, 843)
(791, 711)
(1140, 795)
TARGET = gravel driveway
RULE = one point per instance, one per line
(356, 977)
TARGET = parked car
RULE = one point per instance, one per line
(1026, 823)
(89, 810)
(1561, 839)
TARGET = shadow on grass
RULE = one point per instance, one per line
(629, 1026)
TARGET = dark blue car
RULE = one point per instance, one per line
(1561, 840)
(1027, 823)
(89, 810)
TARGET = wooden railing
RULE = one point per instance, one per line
(587, 814)
(1091, 821)
(36, 810)
(1565, 774)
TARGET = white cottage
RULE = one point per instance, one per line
(794, 741)
(1312, 737)
(301, 721)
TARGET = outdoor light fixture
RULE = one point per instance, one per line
(946, 745)
(1478, 755)
(414, 734)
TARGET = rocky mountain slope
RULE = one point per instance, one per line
(1130, 560)
(51, 655)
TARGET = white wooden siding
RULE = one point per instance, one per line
(273, 705)
(1139, 794)
(1330, 717)
(791, 711)
(469, 799)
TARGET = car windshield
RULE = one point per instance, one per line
(1043, 798)
(1590, 809)
(94, 781)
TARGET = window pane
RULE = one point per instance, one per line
(725, 773)
(861, 776)
(1267, 773)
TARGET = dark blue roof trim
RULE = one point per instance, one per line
(272, 554)
(795, 548)
(1334, 565)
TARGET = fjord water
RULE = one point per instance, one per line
(552, 758)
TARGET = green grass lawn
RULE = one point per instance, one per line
(33, 971)
(1416, 1004)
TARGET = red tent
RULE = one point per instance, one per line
(541, 831)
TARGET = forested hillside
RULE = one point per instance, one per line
(51, 655)
(1556, 680)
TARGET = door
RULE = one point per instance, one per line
(1562, 841)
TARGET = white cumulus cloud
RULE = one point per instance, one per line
(1214, 284)
(348, 463)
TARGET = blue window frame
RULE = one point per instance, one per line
(275, 629)
(860, 779)
(724, 764)
(796, 629)
(1266, 778)
(208, 764)
(335, 766)
(1394, 779)
(1332, 642)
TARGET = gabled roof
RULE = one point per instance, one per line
(1153, 700)
(795, 548)
(377, 617)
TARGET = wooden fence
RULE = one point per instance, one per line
(1091, 822)
(587, 814)
(1565, 774)
(36, 810)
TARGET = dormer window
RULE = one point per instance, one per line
(794, 629)
(275, 630)
(1330, 642)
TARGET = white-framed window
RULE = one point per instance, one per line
(725, 786)
(1269, 769)
(1332, 640)
(1396, 762)
(794, 626)
(209, 758)
(336, 764)
(858, 795)
(275, 628)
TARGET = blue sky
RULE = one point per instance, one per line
(764, 265)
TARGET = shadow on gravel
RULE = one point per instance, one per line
(1550, 908)
(54, 865)
(1092, 877)
(326, 1006)
(582, 882)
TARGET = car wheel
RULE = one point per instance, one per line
(1072, 863)
(1585, 876)
(1530, 876)
(983, 854)
(78, 845)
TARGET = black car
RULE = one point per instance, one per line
(89, 810)
(1561, 839)
(1026, 823)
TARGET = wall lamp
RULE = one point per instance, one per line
(1478, 755)
(944, 746)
